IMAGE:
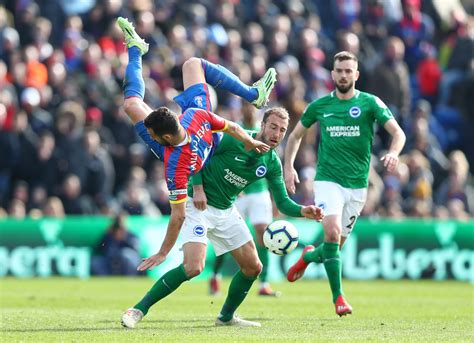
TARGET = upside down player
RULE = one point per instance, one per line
(184, 143)
(346, 118)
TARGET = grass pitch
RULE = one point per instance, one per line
(71, 310)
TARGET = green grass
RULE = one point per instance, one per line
(70, 310)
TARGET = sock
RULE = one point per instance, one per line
(220, 77)
(238, 289)
(315, 256)
(263, 256)
(166, 285)
(333, 266)
(133, 84)
(218, 264)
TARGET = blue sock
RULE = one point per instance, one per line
(220, 77)
(133, 84)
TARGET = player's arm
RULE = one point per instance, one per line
(199, 195)
(390, 159)
(178, 213)
(292, 146)
(240, 134)
(136, 109)
(285, 204)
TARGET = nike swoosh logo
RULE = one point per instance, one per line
(239, 159)
(327, 114)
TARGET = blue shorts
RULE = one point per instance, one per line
(196, 96)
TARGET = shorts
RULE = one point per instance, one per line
(256, 207)
(337, 200)
(224, 228)
(196, 96)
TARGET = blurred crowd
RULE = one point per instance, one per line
(67, 147)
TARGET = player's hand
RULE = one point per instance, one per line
(390, 161)
(199, 198)
(258, 146)
(151, 262)
(291, 177)
(313, 212)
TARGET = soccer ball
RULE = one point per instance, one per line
(280, 237)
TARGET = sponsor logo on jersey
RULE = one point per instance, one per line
(170, 180)
(198, 100)
(195, 139)
(199, 231)
(355, 112)
(238, 159)
(261, 171)
(343, 131)
(235, 179)
(325, 115)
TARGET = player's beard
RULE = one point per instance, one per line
(345, 87)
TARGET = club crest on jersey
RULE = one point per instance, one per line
(355, 112)
(261, 171)
(198, 100)
(198, 231)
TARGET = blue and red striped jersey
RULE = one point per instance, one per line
(181, 162)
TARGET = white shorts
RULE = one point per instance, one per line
(257, 207)
(225, 228)
(345, 202)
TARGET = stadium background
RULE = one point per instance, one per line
(67, 148)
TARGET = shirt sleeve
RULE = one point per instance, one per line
(217, 122)
(178, 188)
(277, 187)
(382, 113)
(156, 148)
(309, 116)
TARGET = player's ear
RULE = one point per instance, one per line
(168, 138)
(357, 75)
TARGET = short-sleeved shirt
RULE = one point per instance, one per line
(347, 131)
(181, 162)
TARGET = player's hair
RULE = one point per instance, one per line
(344, 56)
(278, 111)
(162, 121)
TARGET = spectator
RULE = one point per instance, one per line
(117, 252)
(458, 185)
(393, 74)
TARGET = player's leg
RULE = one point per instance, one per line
(220, 77)
(194, 250)
(231, 234)
(330, 197)
(133, 85)
(257, 208)
(215, 280)
(250, 267)
(193, 264)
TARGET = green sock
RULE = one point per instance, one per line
(315, 256)
(333, 266)
(263, 256)
(218, 263)
(238, 289)
(166, 285)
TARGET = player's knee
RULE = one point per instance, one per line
(193, 270)
(333, 235)
(191, 64)
(130, 104)
(253, 270)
